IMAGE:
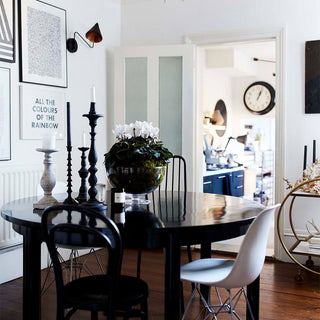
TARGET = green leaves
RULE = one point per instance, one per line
(138, 151)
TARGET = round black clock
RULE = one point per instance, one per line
(259, 97)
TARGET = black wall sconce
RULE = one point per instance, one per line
(93, 35)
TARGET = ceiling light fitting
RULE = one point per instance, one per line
(262, 60)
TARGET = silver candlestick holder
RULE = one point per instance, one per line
(48, 180)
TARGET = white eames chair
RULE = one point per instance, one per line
(228, 274)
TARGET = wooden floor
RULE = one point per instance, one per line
(281, 297)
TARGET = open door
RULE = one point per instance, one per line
(156, 84)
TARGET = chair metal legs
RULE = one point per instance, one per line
(72, 267)
(44, 288)
(228, 306)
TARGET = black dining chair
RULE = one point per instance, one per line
(73, 265)
(110, 293)
(167, 206)
(175, 180)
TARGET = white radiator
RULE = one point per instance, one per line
(15, 183)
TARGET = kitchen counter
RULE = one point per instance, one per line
(221, 171)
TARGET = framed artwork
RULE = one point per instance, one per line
(5, 114)
(41, 111)
(312, 74)
(7, 52)
(43, 55)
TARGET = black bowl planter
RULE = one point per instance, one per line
(136, 180)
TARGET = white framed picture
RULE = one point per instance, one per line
(5, 114)
(7, 41)
(43, 55)
(41, 111)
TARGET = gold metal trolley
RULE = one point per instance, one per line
(301, 246)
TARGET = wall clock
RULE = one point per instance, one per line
(259, 97)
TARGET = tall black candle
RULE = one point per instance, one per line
(305, 158)
(314, 152)
(68, 126)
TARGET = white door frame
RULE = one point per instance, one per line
(279, 35)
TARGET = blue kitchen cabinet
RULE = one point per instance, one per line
(227, 183)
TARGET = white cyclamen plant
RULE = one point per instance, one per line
(137, 144)
(142, 129)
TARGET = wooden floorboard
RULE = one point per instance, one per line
(281, 296)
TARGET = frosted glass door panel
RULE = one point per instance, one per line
(170, 100)
(136, 95)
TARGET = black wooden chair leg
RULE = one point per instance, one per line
(139, 263)
(181, 297)
(94, 315)
(144, 309)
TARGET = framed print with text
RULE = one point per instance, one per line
(41, 111)
(43, 55)
(7, 50)
(5, 114)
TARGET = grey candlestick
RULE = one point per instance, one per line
(48, 180)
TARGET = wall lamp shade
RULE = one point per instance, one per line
(93, 35)
(240, 139)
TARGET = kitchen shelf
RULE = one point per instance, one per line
(213, 127)
(265, 177)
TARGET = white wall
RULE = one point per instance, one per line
(86, 67)
(217, 85)
(156, 22)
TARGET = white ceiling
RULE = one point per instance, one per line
(265, 50)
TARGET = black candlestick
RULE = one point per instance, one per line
(93, 203)
(305, 158)
(83, 173)
(69, 199)
(68, 125)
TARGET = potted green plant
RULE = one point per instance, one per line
(137, 161)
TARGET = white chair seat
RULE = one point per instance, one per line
(207, 271)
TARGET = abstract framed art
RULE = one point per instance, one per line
(43, 55)
(7, 52)
(312, 76)
(5, 114)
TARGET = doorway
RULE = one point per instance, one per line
(225, 71)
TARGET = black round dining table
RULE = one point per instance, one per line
(168, 222)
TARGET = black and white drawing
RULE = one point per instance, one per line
(43, 57)
(7, 31)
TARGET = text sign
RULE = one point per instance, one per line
(41, 111)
